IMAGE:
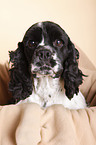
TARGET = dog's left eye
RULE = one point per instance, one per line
(32, 44)
(58, 43)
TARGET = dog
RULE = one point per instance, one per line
(45, 68)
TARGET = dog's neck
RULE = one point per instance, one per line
(48, 91)
(47, 88)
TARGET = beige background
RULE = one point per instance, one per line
(77, 17)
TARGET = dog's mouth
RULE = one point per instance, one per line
(43, 70)
(46, 70)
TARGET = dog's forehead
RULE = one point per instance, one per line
(45, 31)
(45, 26)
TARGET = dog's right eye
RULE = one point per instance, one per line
(32, 44)
(58, 43)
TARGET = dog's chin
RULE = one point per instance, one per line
(42, 72)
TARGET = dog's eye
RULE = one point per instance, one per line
(58, 43)
(32, 44)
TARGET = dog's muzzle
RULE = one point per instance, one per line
(43, 63)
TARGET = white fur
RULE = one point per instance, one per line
(42, 42)
(48, 91)
(40, 24)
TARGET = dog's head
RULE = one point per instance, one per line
(45, 50)
(45, 46)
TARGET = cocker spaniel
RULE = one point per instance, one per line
(45, 68)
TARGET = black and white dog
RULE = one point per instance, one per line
(45, 68)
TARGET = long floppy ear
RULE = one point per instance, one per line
(72, 74)
(20, 77)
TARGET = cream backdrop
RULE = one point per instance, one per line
(77, 17)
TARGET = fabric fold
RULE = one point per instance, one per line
(29, 124)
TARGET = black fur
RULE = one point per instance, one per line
(21, 84)
(71, 73)
(20, 77)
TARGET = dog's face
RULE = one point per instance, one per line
(46, 48)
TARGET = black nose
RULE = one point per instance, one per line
(44, 54)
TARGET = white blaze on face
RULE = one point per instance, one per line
(39, 24)
(42, 42)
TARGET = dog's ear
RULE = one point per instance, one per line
(72, 74)
(20, 77)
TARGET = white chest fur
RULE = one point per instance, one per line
(48, 91)
(48, 88)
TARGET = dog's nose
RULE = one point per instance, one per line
(44, 54)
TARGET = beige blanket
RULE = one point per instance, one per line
(28, 124)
